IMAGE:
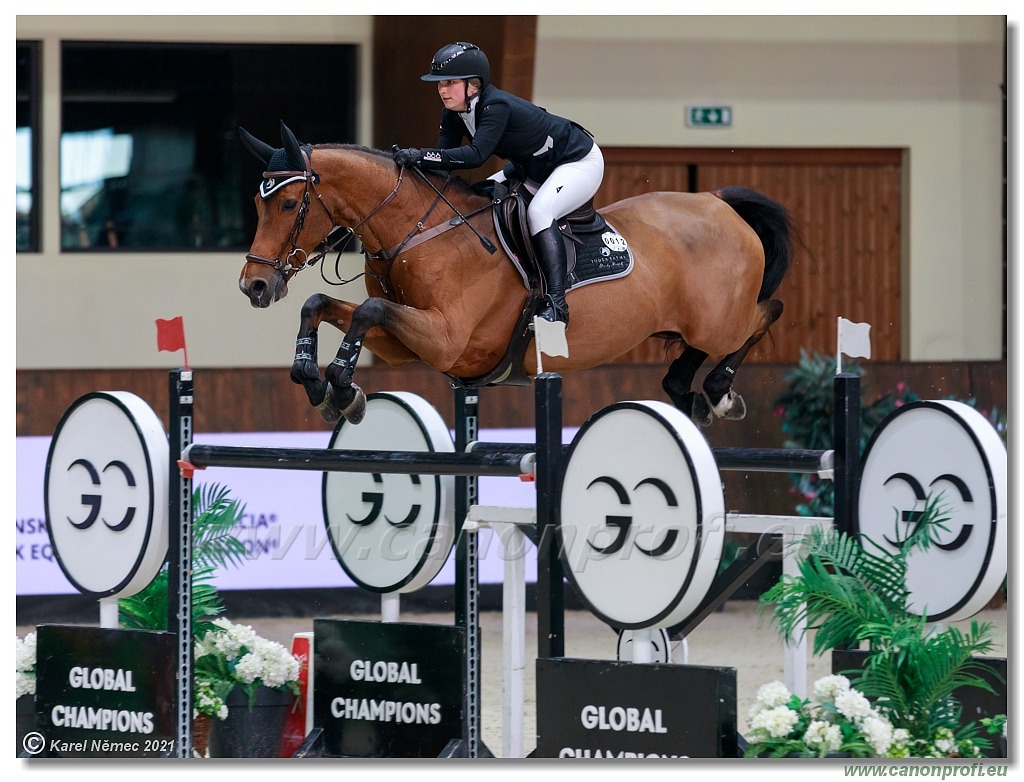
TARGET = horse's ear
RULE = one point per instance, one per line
(260, 149)
(292, 149)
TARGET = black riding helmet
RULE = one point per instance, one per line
(459, 61)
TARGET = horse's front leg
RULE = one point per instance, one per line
(305, 371)
(402, 333)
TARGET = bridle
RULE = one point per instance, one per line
(291, 258)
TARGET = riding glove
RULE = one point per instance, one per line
(408, 157)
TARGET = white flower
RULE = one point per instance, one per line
(823, 737)
(770, 696)
(827, 687)
(249, 668)
(25, 665)
(878, 732)
(777, 721)
(853, 705)
(944, 742)
(257, 660)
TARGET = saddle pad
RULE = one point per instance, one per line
(601, 254)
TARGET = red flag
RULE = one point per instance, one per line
(170, 336)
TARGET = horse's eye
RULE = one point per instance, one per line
(289, 204)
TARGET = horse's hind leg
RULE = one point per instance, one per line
(679, 380)
(724, 402)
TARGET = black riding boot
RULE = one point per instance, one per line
(550, 247)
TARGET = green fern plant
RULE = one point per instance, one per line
(213, 547)
(852, 591)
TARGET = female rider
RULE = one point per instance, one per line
(553, 152)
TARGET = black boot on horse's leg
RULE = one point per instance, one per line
(550, 247)
(306, 372)
(678, 381)
(726, 403)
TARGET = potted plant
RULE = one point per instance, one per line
(248, 683)
(25, 686)
(852, 591)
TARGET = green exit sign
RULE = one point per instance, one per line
(709, 116)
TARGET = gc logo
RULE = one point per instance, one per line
(106, 493)
(375, 499)
(944, 450)
(391, 532)
(94, 501)
(623, 523)
(643, 516)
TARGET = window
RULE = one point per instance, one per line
(26, 168)
(150, 154)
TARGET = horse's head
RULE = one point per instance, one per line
(289, 235)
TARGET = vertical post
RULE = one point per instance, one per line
(794, 661)
(550, 577)
(467, 582)
(846, 475)
(643, 646)
(513, 631)
(179, 553)
(390, 605)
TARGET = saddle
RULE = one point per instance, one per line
(595, 251)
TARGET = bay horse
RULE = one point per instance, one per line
(706, 266)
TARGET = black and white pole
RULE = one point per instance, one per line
(467, 570)
(179, 582)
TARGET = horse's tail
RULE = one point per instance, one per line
(773, 225)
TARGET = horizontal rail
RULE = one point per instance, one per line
(736, 459)
(773, 460)
(326, 460)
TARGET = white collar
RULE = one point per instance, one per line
(469, 116)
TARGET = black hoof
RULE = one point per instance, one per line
(701, 412)
(327, 406)
(357, 407)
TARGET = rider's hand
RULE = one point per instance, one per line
(410, 157)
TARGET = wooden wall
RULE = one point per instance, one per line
(846, 208)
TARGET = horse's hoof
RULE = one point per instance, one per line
(701, 413)
(357, 408)
(737, 408)
(730, 407)
(328, 406)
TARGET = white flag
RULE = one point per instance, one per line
(854, 339)
(550, 337)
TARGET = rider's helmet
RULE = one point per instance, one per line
(459, 61)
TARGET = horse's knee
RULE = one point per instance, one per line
(370, 313)
(313, 307)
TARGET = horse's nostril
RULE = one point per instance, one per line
(257, 289)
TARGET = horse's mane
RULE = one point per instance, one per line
(456, 181)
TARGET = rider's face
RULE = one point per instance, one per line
(453, 94)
